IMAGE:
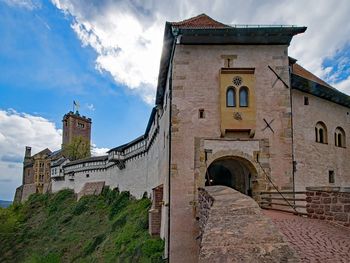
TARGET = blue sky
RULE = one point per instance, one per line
(105, 55)
(44, 68)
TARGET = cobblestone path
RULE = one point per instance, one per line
(314, 240)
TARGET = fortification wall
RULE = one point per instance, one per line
(314, 160)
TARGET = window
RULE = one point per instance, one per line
(243, 97)
(201, 113)
(306, 100)
(339, 137)
(231, 97)
(80, 125)
(87, 175)
(321, 132)
(331, 179)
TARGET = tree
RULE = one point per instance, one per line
(78, 148)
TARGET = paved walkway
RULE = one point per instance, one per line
(314, 240)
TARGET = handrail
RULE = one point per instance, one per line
(268, 177)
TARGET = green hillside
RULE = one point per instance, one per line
(112, 227)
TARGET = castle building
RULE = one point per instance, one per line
(232, 108)
(39, 169)
(75, 125)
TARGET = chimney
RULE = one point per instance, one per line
(28, 152)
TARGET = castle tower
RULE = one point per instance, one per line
(75, 125)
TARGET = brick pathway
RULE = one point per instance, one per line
(314, 240)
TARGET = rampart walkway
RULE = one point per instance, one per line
(314, 240)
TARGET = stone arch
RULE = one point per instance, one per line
(257, 178)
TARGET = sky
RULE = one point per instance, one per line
(105, 54)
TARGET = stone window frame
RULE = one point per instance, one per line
(241, 90)
(339, 137)
(321, 135)
(233, 89)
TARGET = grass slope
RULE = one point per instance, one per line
(111, 227)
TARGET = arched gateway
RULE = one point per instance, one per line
(232, 171)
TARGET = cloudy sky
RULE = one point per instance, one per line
(105, 54)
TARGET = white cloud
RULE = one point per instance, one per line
(27, 4)
(343, 85)
(98, 151)
(90, 106)
(127, 35)
(18, 130)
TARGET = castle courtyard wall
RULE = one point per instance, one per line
(314, 160)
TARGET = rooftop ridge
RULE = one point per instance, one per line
(201, 20)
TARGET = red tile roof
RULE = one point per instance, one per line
(302, 72)
(200, 21)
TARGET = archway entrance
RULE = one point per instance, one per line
(233, 172)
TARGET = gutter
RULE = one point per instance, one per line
(175, 35)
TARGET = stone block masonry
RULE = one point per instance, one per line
(329, 203)
(233, 229)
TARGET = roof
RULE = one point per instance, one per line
(200, 21)
(300, 71)
(88, 160)
(45, 151)
(203, 30)
(126, 145)
(319, 90)
(56, 154)
(59, 162)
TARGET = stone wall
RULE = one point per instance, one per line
(155, 213)
(196, 86)
(233, 229)
(329, 203)
(315, 160)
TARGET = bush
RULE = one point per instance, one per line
(60, 199)
(121, 201)
(91, 246)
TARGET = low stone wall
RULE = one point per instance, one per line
(233, 229)
(329, 203)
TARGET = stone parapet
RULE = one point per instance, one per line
(233, 229)
(329, 203)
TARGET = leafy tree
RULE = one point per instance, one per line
(78, 148)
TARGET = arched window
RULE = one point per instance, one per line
(231, 97)
(243, 97)
(321, 132)
(339, 137)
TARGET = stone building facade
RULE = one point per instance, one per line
(75, 125)
(233, 109)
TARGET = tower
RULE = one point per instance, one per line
(75, 125)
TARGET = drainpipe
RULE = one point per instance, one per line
(175, 34)
(292, 127)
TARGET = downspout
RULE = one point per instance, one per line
(292, 127)
(175, 34)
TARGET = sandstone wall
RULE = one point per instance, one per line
(329, 203)
(315, 160)
(196, 86)
(233, 229)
